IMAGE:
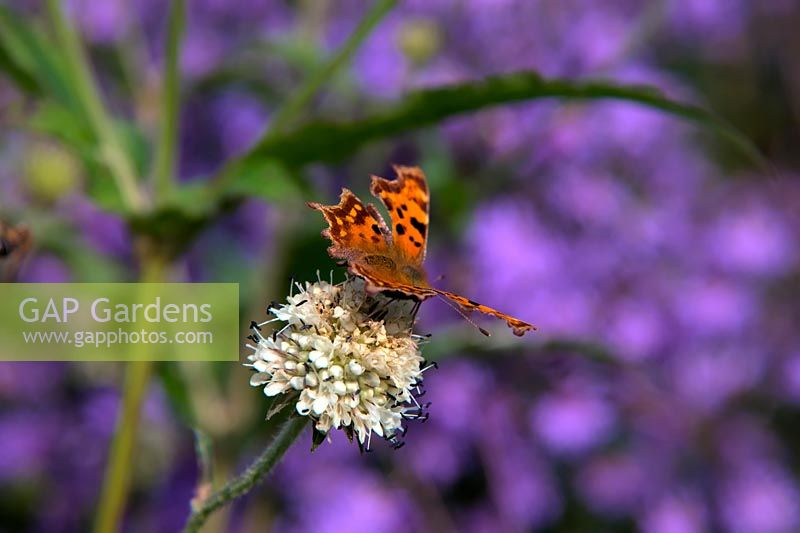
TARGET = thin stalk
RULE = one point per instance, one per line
(86, 90)
(117, 476)
(297, 104)
(168, 139)
(250, 477)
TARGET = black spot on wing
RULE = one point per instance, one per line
(376, 229)
(419, 226)
(399, 213)
(401, 229)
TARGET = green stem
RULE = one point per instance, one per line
(166, 154)
(249, 478)
(297, 104)
(117, 477)
(86, 90)
(116, 481)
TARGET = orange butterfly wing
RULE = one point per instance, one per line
(361, 237)
(355, 229)
(407, 200)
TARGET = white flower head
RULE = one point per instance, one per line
(345, 358)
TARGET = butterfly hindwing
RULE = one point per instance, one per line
(407, 200)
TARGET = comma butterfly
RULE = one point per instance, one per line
(390, 261)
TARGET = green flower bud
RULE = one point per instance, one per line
(420, 40)
(50, 171)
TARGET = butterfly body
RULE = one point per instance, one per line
(391, 259)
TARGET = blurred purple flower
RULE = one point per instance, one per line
(202, 51)
(379, 64)
(105, 232)
(435, 456)
(522, 485)
(366, 505)
(680, 512)
(102, 22)
(789, 381)
(44, 268)
(457, 390)
(27, 439)
(478, 519)
(754, 240)
(637, 329)
(572, 420)
(708, 307)
(715, 21)
(707, 379)
(760, 500)
(15, 385)
(242, 119)
(440, 449)
(516, 258)
(617, 484)
(595, 199)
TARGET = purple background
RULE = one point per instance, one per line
(619, 231)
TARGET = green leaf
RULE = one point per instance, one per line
(58, 72)
(332, 141)
(23, 78)
(82, 84)
(166, 151)
(192, 207)
(55, 120)
(267, 179)
(31, 60)
(135, 143)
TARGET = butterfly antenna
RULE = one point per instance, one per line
(463, 314)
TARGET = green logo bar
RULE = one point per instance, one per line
(119, 321)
